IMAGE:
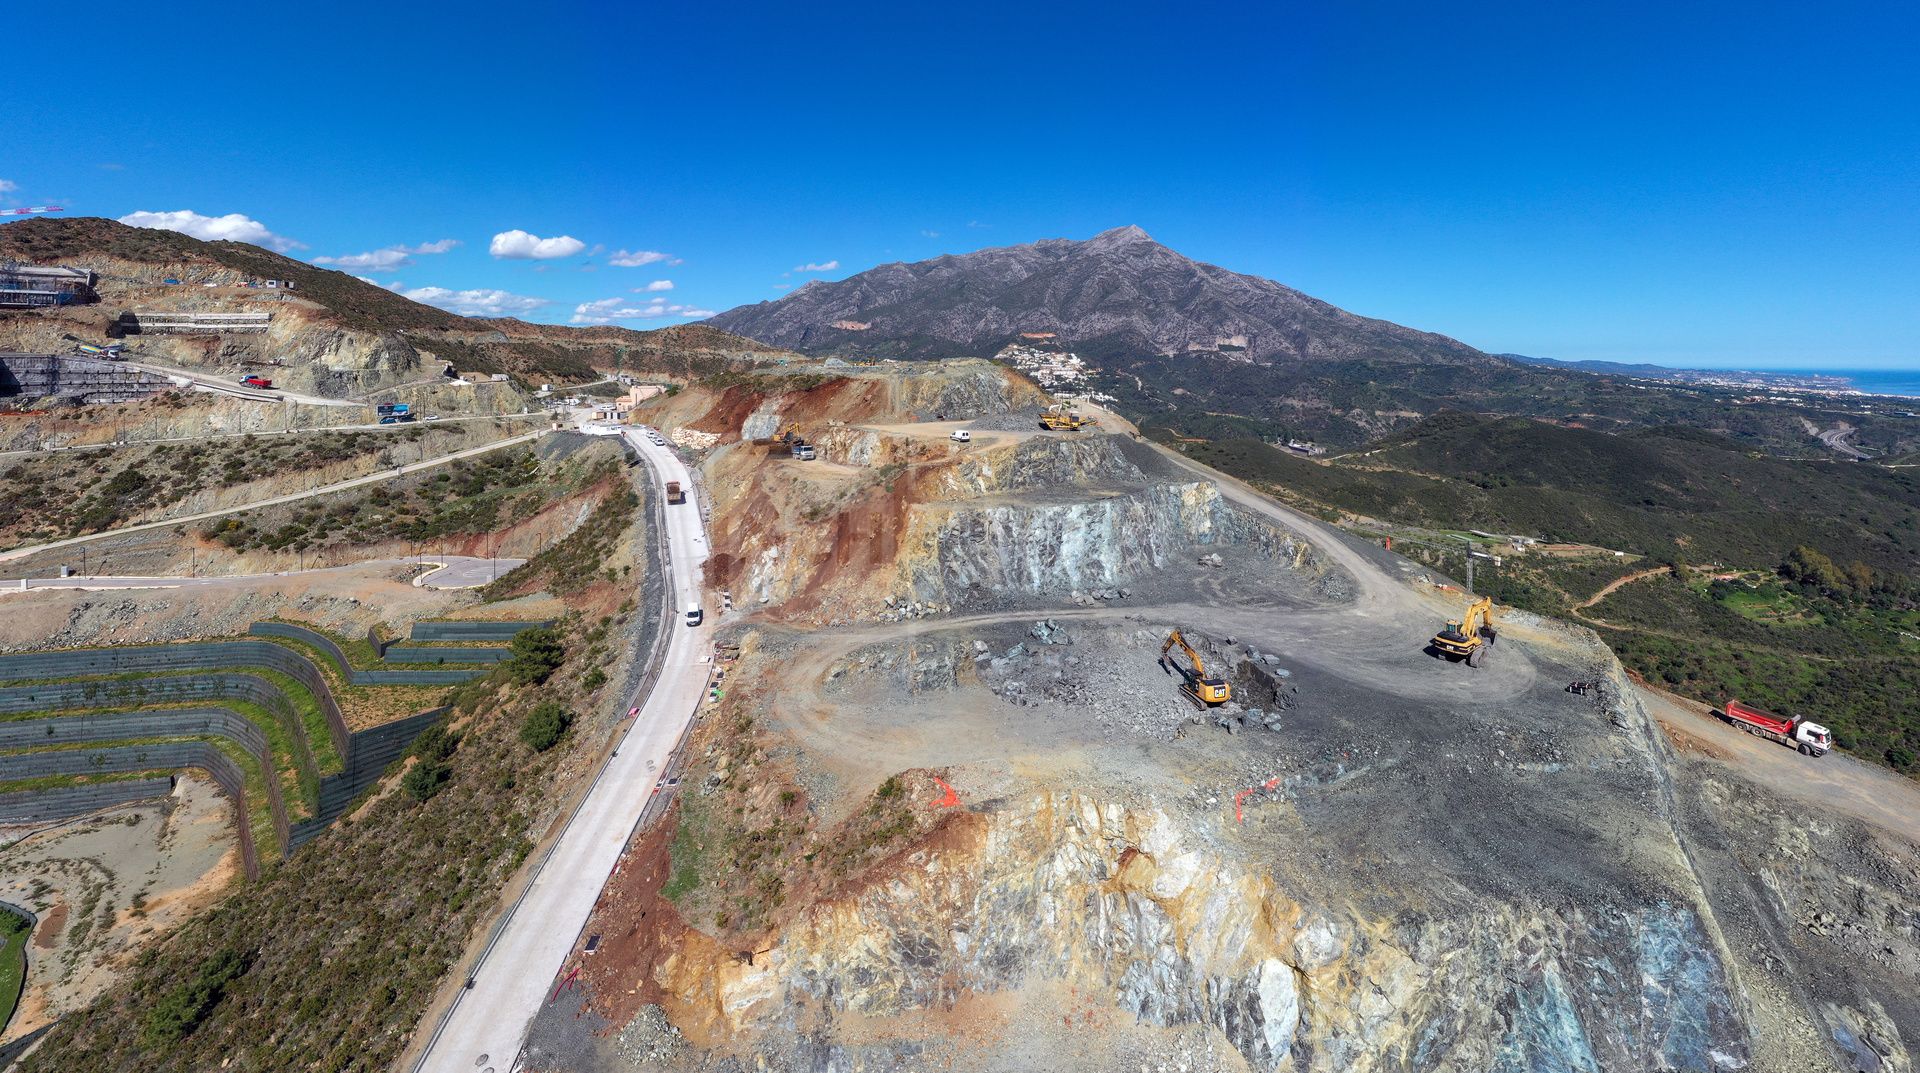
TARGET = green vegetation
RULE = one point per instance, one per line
(545, 725)
(433, 753)
(537, 653)
(15, 930)
(1821, 616)
(182, 1007)
(51, 496)
(467, 497)
(344, 943)
(577, 560)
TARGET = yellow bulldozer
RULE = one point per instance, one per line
(1060, 419)
(1195, 685)
(1469, 638)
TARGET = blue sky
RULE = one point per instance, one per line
(1687, 184)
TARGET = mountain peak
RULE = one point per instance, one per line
(1118, 294)
(1120, 236)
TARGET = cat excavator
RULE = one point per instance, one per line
(1204, 692)
(1469, 638)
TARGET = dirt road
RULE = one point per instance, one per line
(357, 482)
(1836, 781)
(1611, 586)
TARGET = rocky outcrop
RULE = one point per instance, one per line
(1133, 906)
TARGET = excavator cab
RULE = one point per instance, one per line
(1203, 691)
(1469, 638)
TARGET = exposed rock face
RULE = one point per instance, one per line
(1119, 290)
(1130, 905)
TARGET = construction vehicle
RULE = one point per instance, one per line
(675, 493)
(1811, 739)
(1059, 418)
(788, 443)
(256, 381)
(1469, 638)
(110, 352)
(1204, 692)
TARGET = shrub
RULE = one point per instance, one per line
(423, 780)
(182, 1008)
(545, 726)
(593, 679)
(537, 653)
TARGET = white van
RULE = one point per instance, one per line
(694, 614)
(961, 435)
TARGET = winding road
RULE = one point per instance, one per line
(484, 1029)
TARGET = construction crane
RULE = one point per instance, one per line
(1196, 686)
(31, 210)
(1469, 638)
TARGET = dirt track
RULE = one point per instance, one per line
(1873, 795)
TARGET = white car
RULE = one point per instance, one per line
(961, 435)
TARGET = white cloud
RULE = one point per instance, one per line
(8, 187)
(656, 285)
(477, 303)
(637, 258)
(387, 258)
(232, 227)
(930, 234)
(608, 310)
(519, 246)
(826, 266)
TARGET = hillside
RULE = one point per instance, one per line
(335, 334)
(1118, 293)
(1204, 351)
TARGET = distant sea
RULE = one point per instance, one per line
(1871, 381)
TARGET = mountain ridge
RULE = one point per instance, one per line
(1118, 293)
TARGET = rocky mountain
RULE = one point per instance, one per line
(1119, 293)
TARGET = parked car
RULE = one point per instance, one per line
(961, 435)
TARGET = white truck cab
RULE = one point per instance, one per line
(1814, 739)
(694, 614)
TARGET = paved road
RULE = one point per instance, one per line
(488, 1022)
(465, 572)
(229, 387)
(1836, 781)
(454, 572)
(357, 482)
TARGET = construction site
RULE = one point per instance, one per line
(948, 723)
(1049, 749)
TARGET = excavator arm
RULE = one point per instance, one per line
(1198, 687)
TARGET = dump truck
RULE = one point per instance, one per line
(675, 493)
(256, 381)
(1811, 739)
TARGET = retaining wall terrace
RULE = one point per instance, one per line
(157, 756)
(157, 723)
(187, 656)
(369, 753)
(66, 802)
(367, 678)
(471, 631)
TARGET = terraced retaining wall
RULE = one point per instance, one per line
(65, 802)
(372, 678)
(368, 755)
(156, 723)
(471, 631)
(156, 756)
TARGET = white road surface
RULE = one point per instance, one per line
(488, 1023)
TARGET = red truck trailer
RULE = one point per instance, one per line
(1811, 739)
(256, 381)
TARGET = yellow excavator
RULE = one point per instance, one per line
(1060, 419)
(1196, 687)
(1469, 638)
